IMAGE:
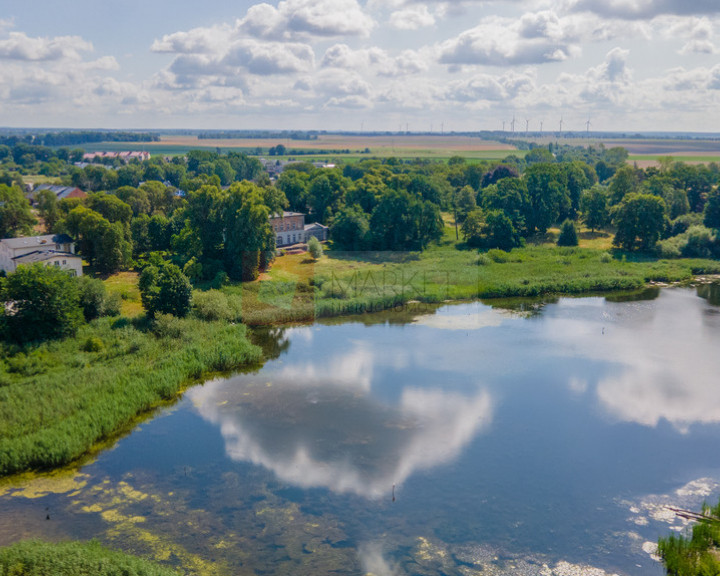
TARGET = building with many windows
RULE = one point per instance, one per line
(290, 228)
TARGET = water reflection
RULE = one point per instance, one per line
(336, 434)
(664, 364)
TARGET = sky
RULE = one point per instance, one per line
(372, 65)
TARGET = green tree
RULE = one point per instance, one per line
(350, 229)
(465, 202)
(568, 234)
(640, 220)
(547, 194)
(594, 207)
(113, 251)
(711, 217)
(248, 234)
(16, 219)
(499, 232)
(624, 182)
(41, 303)
(295, 185)
(511, 196)
(110, 207)
(165, 289)
(402, 222)
(473, 228)
(48, 209)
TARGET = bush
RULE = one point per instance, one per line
(46, 304)
(315, 248)
(167, 326)
(606, 258)
(215, 305)
(499, 256)
(93, 344)
(696, 242)
(165, 290)
(568, 234)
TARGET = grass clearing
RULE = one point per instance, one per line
(126, 285)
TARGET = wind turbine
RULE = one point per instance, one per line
(512, 124)
(527, 126)
(503, 125)
(561, 123)
(541, 126)
(587, 127)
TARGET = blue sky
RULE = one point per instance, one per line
(342, 64)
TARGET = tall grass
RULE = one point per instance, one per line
(58, 399)
(73, 559)
(694, 554)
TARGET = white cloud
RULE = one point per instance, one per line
(483, 88)
(292, 18)
(499, 41)
(375, 61)
(264, 58)
(646, 9)
(696, 33)
(412, 18)
(19, 46)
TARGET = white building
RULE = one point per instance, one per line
(290, 228)
(52, 250)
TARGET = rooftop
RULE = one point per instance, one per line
(42, 255)
(38, 241)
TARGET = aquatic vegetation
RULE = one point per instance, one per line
(696, 553)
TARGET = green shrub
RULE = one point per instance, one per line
(315, 248)
(499, 256)
(214, 305)
(167, 326)
(93, 344)
(568, 234)
(606, 258)
(28, 364)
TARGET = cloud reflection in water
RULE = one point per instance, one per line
(665, 356)
(313, 431)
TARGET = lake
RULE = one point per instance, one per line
(515, 438)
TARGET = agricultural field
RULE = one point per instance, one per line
(440, 147)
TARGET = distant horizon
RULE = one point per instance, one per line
(517, 134)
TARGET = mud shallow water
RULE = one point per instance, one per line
(544, 439)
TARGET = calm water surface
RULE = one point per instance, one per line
(545, 439)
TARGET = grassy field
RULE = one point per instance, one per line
(300, 289)
(438, 147)
(645, 160)
(73, 559)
